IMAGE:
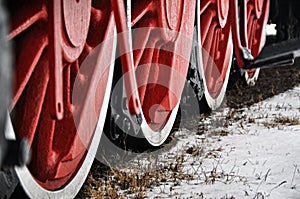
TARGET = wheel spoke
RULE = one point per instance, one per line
(250, 28)
(35, 43)
(59, 149)
(143, 72)
(252, 36)
(250, 11)
(211, 68)
(204, 5)
(141, 43)
(141, 9)
(31, 113)
(25, 16)
(43, 157)
(207, 21)
(207, 45)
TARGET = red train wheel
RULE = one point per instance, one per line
(214, 35)
(63, 147)
(162, 33)
(257, 18)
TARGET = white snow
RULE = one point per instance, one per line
(260, 157)
(271, 29)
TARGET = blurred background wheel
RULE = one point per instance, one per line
(8, 177)
(257, 18)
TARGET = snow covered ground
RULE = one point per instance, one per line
(252, 152)
(246, 153)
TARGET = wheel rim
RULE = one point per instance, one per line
(157, 32)
(61, 154)
(257, 18)
(214, 35)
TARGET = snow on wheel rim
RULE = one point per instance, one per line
(32, 187)
(212, 102)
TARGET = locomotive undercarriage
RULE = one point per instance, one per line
(66, 51)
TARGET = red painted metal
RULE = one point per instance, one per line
(236, 32)
(70, 41)
(223, 8)
(248, 27)
(243, 24)
(216, 43)
(55, 60)
(162, 39)
(53, 43)
(127, 62)
(259, 7)
(26, 61)
(76, 25)
(53, 39)
(257, 18)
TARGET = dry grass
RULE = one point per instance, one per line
(271, 82)
(282, 121)
(114, 183)
(107, 182)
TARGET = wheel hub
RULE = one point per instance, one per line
(76, 15)
(173, 11)
(76, 20)
(170, 14)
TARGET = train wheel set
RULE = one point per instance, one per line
(65, 74)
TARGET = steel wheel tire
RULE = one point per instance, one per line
(215, 55)
(155, 52)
